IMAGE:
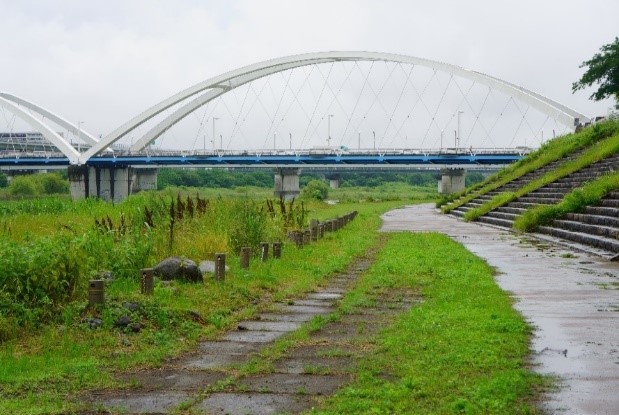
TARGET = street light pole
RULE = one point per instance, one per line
(441, 140)
(458, 138)
(274, 140)
(290, 140)
(329, 130)
(374, 134)
(214, 119)
(359, 141)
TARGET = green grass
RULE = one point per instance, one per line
(596, 152)
(42, 368)
(551, 151)
(463, 349)
(575, 201)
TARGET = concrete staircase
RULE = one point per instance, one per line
(597, 227)
(509, 187)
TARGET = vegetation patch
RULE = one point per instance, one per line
(463, 349)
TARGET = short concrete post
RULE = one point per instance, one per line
(96, 292)
(321, 230)
(147, 286)
(264, 251)
(314, 232)
(307, 237)
(298, 238)
(277, 250)
(245, 254)
(220, 267)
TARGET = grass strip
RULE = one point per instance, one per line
(576, 201)
(463, 349)
(551, 151)
(595, 153)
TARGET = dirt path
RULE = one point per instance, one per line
(571, 298)
(208, 380)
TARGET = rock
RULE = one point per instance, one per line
(209, 266)
(175, 268)
(135, 327)
(131, 306)
(94, 323)
(123, 321)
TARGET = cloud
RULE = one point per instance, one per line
(105, 61)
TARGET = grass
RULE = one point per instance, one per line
(463, 349)
(575, 201)
(42, 368)
(551, 151)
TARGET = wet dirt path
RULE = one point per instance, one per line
(570, 298)
(208, 381)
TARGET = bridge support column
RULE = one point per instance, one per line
(144, 179)
(334, 180)
(112, 184)
(452, 180)
(287, 182)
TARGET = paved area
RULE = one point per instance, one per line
(570, 298)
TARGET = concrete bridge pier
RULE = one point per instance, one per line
(144, 179)
(334, 180)
(287, 182)
(111, 184)
(452, 180)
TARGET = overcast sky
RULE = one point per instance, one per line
(103, 62)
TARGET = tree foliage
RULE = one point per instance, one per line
(603, 69)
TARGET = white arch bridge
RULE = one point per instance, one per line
(424, 111)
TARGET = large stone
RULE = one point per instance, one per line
(175, 268)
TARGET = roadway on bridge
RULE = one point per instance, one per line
(563, 297)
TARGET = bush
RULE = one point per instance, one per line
(315, 189)
(54, 184)
(4, 181)
(23, 186)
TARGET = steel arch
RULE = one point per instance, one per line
(66, 148)
(220, 84)
(72, 128)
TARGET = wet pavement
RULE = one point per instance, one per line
(571, 298)
(207, 381)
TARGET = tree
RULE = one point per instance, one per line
(603, 69)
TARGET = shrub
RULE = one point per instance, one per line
(315, 189)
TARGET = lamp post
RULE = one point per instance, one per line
(290, 134)
(329, 130)
(374, 134)
(214, 119)
(359, 140)
(458, 138)
(441, 140)
(274, 141)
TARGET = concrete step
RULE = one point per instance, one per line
(609, 203)
(594, 219)
(574, 226)
(610, 245)
(509, 209)
(457, 212)
(602, 211)
(501, 215)
(522, 205)
(539, 200)
(495, 221)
